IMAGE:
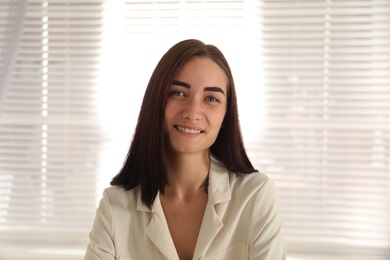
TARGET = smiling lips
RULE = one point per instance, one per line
(188, 130)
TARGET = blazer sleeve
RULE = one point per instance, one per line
(268, 243)
(101, 245)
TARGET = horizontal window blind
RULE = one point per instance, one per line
(326, 133)
(50, 136)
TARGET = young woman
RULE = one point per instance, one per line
(187, 189)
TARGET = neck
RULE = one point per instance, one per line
(187, 174)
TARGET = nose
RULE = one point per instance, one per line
(192, 110)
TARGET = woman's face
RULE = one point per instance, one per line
(196, 106)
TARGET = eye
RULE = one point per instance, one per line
(212, 99)
(176, 93)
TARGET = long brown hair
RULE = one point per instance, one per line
(145, 164)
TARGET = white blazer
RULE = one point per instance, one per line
(241, 221)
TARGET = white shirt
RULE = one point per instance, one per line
(241, 221)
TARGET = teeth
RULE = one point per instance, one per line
(190, 131)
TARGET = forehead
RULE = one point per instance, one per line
(203, 71)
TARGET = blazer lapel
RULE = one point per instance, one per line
(209, 229)
(219, 191)
(158, 231)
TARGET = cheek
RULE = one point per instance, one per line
(169, 115)
(168, 112)
(219, 118)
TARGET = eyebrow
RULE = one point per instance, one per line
(181, 83)
(186, 85)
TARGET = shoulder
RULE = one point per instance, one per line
(117, 196)
(251, 181)
(115, 192)
(240, 184)
(255, 180)
(253, 185)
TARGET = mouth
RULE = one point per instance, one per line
(188, 130)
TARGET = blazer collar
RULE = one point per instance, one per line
(219, 185)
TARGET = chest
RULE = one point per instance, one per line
(184, 222)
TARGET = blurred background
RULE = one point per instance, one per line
(313, 83)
